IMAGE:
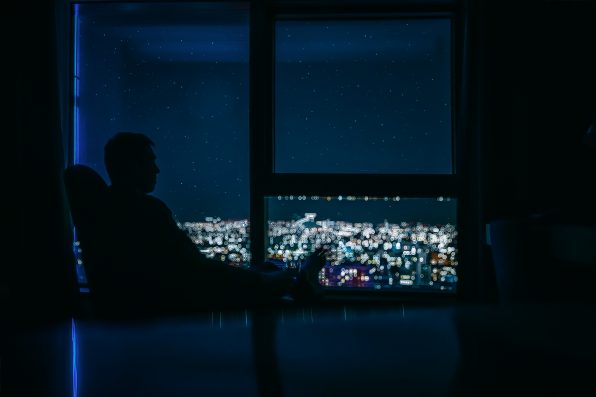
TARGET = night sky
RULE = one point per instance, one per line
(366, 96)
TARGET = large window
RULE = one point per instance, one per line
(363, 149)
(178, 73)
(279, 127)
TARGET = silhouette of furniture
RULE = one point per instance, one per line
(87, 192)
(539, 260)
(113, 294)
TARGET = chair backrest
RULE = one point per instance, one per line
(92, 214)
(87, 195)
(86, 191)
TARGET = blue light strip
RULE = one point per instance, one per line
(76, 143)
(74, 361)
(75, 116)
(75, 148)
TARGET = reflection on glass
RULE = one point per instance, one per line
(374, 242)
(363, 96)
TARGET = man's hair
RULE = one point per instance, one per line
(123, 150)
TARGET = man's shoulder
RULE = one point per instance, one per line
(157, 204)
(138, 202)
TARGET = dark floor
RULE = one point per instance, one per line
(340, 350)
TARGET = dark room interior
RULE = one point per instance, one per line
(519, 160)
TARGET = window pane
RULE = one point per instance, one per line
(375, 242)
(366, 96)
(178, 73)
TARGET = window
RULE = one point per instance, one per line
(363, 148)
(178, 73)
(341, 131)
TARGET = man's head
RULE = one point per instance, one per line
(130, 162)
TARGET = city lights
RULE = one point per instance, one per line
(361, 254)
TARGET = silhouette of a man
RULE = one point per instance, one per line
(154, 265)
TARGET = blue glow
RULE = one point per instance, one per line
(75, 134)
(74, 360)
(77, 257)
(76, 126)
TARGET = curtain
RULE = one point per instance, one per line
(37, 272)
(41, 276)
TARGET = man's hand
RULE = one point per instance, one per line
(308, 287)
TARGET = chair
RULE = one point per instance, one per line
(86, 191)
(87, 195)
(112, 294)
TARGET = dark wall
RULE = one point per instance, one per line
(539, 97)
(536, 85)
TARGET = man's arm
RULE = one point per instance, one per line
(211, 279)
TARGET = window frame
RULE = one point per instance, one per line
(265, 182)
(262, 127)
